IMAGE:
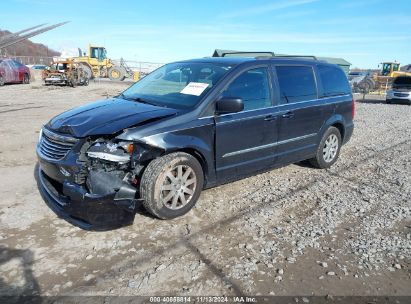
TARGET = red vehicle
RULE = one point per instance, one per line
(12, 71)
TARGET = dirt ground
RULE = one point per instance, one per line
(290, 231)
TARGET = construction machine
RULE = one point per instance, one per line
(380, 80)
(385, 77)
(96, 64)
(390, 69)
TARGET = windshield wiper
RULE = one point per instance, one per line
(138, 99)
(141, 100)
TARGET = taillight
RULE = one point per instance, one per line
(353, 108)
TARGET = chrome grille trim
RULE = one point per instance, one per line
(55, 146)
(59, 138)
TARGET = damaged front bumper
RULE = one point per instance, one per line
(88, 211)
(92, 183)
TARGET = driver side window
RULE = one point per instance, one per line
(252, 87)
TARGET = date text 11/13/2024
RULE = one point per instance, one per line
(203, 299)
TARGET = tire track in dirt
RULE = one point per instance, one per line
(218, 227)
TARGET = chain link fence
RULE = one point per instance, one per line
(142, 67)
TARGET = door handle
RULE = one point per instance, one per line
(270, 118)
(288, 115)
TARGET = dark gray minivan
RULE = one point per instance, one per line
(187, 126)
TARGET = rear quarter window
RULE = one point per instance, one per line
(334, 80)
(297, 83)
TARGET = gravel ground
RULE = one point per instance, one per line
(291, 231)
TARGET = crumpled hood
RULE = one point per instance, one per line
(106, 117)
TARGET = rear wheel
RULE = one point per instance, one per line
(72, 82)
(85, 81)
(328, 150)
(116, 73)
(26, 79)
(171, 185)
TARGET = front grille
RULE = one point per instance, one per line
(55, 146)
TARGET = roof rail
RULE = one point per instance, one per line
(260, 55)
(264, 57)
(298, 56)
(267, 54)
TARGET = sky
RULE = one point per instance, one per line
(364, 32)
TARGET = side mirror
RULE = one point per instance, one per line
(227, 105)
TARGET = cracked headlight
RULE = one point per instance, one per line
(113, 152)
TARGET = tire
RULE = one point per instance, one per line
(371, 84)
(116, 73)
(366, 88)
(165, 203)
(387, 101)
(26, 79)
(323, 160)
(86, 82)
(1, 81)
(87, 71)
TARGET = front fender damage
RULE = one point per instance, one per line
(115, 168)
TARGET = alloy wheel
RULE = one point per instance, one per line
(330, 148)
(178, 187)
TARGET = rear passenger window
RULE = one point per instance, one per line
(334, 81)
(297, 83)
(252, 87)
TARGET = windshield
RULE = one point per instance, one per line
(386, 69)
(177, 85)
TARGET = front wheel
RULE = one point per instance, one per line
(116, 73)
(171, 185)
(328, 150)
(1, 81)
(366, 88)
(88, 73)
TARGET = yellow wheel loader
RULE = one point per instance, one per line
(96, 64)
(381, 80)
(389, 71)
